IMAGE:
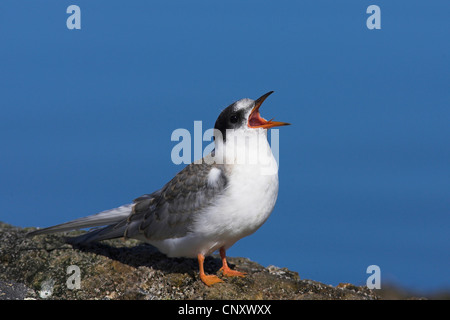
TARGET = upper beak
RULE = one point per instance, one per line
(256, 121)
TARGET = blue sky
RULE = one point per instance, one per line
(87, 116)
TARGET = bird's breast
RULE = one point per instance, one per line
(245, 205)
(252, 197)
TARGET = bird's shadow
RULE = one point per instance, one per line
(146, 255)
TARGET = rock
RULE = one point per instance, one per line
(46, 267)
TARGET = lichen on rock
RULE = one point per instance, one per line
(37, 268)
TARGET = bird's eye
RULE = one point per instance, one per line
(234, 118)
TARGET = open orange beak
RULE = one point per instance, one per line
(256, 121)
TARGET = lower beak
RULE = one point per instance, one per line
(256, 121)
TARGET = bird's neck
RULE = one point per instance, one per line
(249, 148)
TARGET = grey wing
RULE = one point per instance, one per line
(170, 211)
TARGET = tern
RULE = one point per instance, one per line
(209, 205)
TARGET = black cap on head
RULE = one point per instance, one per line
(231, 118)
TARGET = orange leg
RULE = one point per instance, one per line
(209, 280)
(226, 269)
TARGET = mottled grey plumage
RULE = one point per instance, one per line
(169, 212)
(166, 213)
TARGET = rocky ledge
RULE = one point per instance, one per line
(46, 267)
